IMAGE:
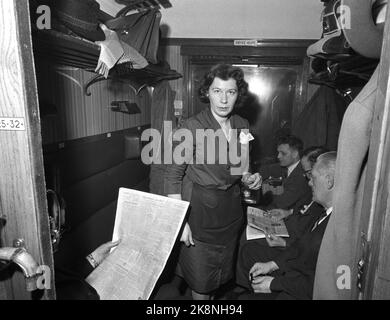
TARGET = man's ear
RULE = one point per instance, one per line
(295, 154)
(329, 181)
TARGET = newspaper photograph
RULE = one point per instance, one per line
(260, 223)
(148, 226)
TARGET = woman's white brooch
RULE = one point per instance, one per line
(245, 137)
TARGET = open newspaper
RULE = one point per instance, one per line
(148, 226)
(260, 224)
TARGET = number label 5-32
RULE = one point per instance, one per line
(14, 124)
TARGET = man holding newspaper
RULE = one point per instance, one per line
(290, 275)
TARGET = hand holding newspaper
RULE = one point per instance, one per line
(260, 224)
(148, 226)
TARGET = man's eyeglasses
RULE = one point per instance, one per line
(307, 174)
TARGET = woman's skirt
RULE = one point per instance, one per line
(216, 220)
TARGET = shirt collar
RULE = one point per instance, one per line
(214, 124)
(211, 122)
(291, 168)
(328, 212)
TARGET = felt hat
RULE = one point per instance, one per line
(333, 42)
(80, 16)
(363, 35)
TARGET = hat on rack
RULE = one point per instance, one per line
(362, 33)
(333, 44)
(82, 17)
(349, 26)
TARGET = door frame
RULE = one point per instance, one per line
(22, 186)
(270, 52)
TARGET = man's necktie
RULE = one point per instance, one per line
(284, 173)
(322, 216)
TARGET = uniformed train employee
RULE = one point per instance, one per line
(216, 217)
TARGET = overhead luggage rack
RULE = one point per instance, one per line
(141, 5)
(352, 72)
(71, 41)
(66, 49)
(77, 52)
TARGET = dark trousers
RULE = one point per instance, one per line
(250, 252)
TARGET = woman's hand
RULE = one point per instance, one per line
(252, 181)
(186, 236)
(279, 214)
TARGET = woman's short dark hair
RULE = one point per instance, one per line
(224, 72)
(312, 153)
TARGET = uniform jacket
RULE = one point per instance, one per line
(216, 175)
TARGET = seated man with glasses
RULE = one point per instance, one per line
(298, 221)
(309, 158)
(290, 274)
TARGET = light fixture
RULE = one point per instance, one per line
(246, 65)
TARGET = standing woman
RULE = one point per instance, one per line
(215, 220)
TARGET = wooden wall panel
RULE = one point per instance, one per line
(79, 115)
